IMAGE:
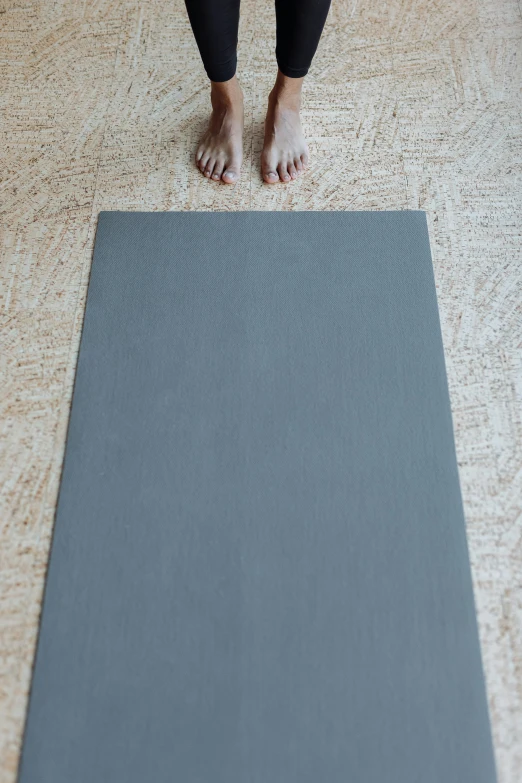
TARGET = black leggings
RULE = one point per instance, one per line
(299, 27)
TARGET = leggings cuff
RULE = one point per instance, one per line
(292, 73)
(222, 72)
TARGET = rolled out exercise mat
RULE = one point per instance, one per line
(259, 570)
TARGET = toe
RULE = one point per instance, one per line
(231, 174)
(218, 170)
(269, 168)
(284, 176)
(292, 171)
(298, 166)
(304, 160)
(270, 176)
(209, 168)
(269, 171)
(202, 162)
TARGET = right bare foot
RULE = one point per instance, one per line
(220, 152)
(285, 152)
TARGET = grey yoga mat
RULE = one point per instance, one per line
(259, 571)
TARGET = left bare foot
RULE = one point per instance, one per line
(285, 152)
(220, 152)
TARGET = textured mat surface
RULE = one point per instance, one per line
(259, 569)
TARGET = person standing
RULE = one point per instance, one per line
(299, 24)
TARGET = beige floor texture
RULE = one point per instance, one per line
(409, 104)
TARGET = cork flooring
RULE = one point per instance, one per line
(409, 104)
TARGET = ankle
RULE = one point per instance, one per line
(226, 95)
(286, 92)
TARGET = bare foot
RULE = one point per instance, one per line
(285, 153)
(220, 152)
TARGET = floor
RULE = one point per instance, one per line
(409, 104)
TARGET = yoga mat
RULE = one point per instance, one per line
(259, 571)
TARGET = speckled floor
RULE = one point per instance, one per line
(409, 104)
